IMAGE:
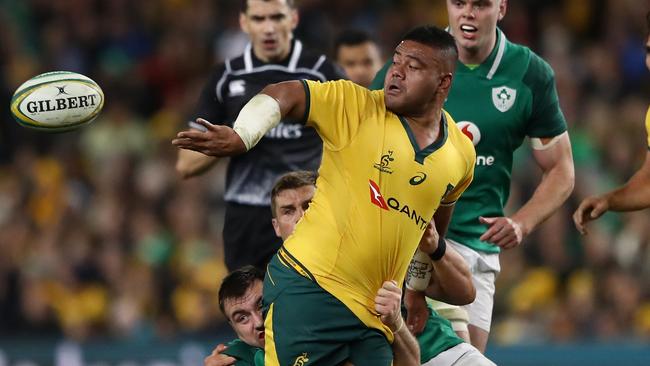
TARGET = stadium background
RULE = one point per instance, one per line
(106, 256)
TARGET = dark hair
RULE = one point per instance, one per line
(292, 180)
(237, 282)
(243, 4)
(436, 38)
(351, 37)
(647, 22)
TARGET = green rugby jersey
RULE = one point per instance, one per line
(509, 96)
(245, 354)
(437, 336)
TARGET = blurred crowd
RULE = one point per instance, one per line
(100, 238)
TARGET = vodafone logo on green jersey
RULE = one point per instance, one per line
(472, 131)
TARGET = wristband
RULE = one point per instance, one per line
(440, 250)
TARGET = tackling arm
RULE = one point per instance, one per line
(451, 280)
(191, 163)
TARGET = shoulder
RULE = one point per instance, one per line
(320, 64)
(538, 71)
(460, 141)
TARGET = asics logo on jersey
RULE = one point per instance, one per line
(378, 200)
(375, 196)
(503, 98)
(382, 166)
(301, 360)
(418, 178)
(470, 130)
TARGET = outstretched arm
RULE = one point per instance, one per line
(191, 163)
(263, 112)
(556, 161)
(450, 280)
(634, 195)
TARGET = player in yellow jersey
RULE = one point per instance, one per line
(634, 195)
(390, 161)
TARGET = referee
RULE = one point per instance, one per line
(272, 56)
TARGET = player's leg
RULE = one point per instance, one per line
(371, 349)
(248, 236)
(463, 354)
(305, 324)
(485, 268)
(480, 311)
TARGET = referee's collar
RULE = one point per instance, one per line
(291, 61)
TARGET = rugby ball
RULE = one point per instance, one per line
(57, 101)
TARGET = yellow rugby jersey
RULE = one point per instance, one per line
(647, 126)
(376, 193)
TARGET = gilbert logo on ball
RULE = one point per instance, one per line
(57, 101)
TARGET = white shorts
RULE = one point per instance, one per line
(463, 354)
(484, 267)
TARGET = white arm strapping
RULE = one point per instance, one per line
(419, 271)
(258, 116)
(537, 144)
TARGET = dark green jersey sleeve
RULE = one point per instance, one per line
(378, 81)
(546, 119)
(245, 354)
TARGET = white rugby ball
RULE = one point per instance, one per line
(57, 101)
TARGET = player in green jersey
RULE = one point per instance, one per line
(502, 93)
(634, 195)
(241, 290)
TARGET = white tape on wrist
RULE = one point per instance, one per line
(419, 271)
(258, 116)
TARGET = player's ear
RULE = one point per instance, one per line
(276, 227)
(445, 82)
(243, 23)
(295, 18)
(503, 7)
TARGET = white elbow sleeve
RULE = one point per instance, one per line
(419, 271)
(258, 116)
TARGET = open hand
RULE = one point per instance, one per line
(590, 209)
(217, 140)
(219, 359)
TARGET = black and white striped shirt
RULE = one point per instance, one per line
(289, 146)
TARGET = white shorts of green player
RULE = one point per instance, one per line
(485, 268)
(463, 354)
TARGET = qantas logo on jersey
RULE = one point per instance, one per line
(470, 130)
(375, 196)
(503, 98)
(393, 203)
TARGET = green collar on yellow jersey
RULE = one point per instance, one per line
(420, 155)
